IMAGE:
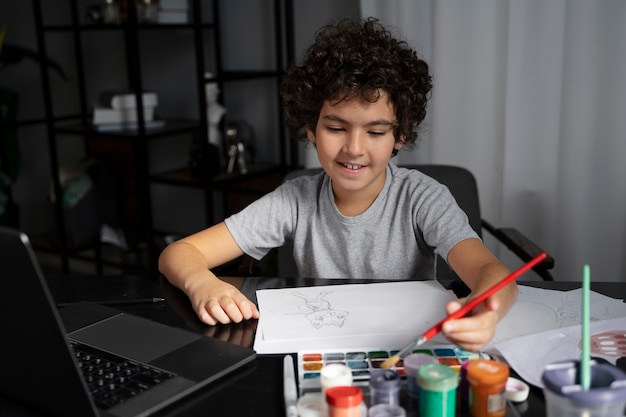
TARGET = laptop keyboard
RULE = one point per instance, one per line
(113, 379)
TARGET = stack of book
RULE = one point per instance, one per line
(117, 111)
(173, 11)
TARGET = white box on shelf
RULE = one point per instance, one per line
(124, 99)
(102, 115)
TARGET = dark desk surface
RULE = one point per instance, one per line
(256, 389)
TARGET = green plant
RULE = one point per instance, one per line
(9, 104)
(13, 54)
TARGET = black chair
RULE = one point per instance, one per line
(462, 185)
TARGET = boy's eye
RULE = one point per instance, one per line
(335, 128)
(376, 133)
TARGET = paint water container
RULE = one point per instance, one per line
(345, 401)
(411, 364)
(384, 387)
(565, 397)
(312, 404)
(463, 391)
(386, 410)
(487, 387)
(335, 374)
(437, 390)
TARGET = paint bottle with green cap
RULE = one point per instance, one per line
(437, 396)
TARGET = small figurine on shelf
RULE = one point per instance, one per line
(147, 11)
(241, 149)
(215, 112)
(111, 13)
(209, 161)
(236, 149)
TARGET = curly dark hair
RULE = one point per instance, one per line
(353, 58)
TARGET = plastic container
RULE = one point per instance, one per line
(345, 401)
(335, 374)
(312, 405)
(386, 410)
(437, 390)
(487, 385)
(463, 390)
(384, 387)
(411, 364)
(565, 397)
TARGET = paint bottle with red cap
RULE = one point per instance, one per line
(345, 401)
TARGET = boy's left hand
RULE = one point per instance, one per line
(475, 331)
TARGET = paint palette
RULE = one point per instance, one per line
(363, 361)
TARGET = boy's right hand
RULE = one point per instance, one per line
(216, 301)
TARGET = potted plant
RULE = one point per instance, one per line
(9, 107)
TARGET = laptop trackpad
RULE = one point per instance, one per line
(134, 337)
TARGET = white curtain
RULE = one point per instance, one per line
(531, 97)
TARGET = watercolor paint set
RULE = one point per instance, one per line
(363, 361)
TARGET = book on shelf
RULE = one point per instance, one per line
(174, 4)
(126, 99)
(103, 115)
(173, 11)
(149, 125)
(173, 16)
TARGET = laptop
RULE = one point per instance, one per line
(42, 353)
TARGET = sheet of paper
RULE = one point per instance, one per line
(537, 310)
(529, 354)
(544, 326)
(386, 314)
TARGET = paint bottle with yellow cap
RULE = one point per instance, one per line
(487, 385)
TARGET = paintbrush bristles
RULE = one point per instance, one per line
(391, 362)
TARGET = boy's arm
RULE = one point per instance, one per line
(187, 264)
(480, 270)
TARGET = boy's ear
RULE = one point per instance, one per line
(310, 135)
(398, 145)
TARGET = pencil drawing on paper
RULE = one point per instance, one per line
(317, 311)
(568, 310)
(563, 313)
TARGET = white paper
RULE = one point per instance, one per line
(537, 310)
(529, 355)
(388, 314)
(544, 327)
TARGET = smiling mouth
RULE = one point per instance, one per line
(352, 166)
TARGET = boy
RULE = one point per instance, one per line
(357, 98)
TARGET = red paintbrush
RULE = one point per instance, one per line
(463, 311)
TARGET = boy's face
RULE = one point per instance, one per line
(354, 141)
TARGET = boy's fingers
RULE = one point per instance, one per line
(205, 317)
(246, 307)
(452, 306)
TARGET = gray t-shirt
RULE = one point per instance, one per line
(413, 218)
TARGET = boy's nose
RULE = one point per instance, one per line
(354, 144)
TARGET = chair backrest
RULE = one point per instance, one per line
(462, 185)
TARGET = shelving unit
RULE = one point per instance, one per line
(130, 150)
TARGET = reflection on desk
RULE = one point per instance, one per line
(257, 389)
